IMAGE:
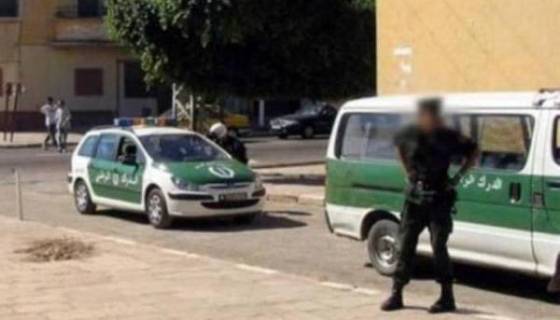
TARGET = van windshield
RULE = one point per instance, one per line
(181, 148)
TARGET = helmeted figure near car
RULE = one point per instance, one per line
(220, 135)
(426, 150)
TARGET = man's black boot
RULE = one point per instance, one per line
(446, 302)
(395, 301)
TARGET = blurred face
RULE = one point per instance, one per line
(428, 121)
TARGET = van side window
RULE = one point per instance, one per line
(368, 136)
(88, 147)
(504, 141)
(556, 142)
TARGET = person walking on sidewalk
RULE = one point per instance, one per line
(63, 125)
(49, 111)
(426, 150)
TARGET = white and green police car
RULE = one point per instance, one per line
(164, 172)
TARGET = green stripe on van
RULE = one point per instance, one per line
(484, 195)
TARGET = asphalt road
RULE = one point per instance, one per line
(38, 164)
(290, 238)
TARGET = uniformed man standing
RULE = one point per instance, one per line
(426, 151)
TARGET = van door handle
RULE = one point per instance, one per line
(554, 184)
(515, 192)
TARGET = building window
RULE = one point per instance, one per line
(91, 8)
(134, 84)
(9, 8)
(88, 82)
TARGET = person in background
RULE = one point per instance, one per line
(49, 111)
(63, 125)
(220, 135)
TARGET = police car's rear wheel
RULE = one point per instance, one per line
(382, 246)
(156, 209)
(82, 199)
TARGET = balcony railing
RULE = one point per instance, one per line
(78, 25)
(81, 11)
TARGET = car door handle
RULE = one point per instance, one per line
(515, 192)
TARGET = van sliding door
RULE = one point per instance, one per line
(546, 213)
(493, 222)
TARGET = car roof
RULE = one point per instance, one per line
(141, 131)
(463, 100)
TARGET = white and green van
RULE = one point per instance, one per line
(508, 212)
(164, 172)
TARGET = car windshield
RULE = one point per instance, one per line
(310, 110)
(181, 148)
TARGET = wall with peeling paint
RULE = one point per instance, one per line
(474, 45)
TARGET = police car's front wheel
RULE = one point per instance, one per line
(82, 198)
(382, 246)
(156, 209)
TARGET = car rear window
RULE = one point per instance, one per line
(88, 147)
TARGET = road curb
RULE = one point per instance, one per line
(29, 146)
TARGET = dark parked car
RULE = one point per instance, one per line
(306, 122)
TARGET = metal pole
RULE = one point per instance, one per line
(18, 195)
(17, 91)
(8, 93)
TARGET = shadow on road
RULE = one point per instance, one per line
(266, 221)
(504, 282)
(489, 279)
(306, 180)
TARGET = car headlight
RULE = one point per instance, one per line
(287, 123)
(259, 185)
(184, 185)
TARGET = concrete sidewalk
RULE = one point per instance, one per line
(127, 280)
(33, 140)
(299, 184)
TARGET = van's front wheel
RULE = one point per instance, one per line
(382, 246)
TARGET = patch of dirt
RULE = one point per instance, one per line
(63, 249)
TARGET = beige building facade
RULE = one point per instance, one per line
(467, 45)
(60, 48)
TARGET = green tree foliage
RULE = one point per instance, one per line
(252, 48)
